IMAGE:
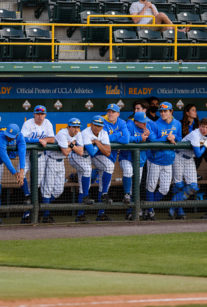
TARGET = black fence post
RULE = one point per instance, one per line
(34, 184)
(136, 183)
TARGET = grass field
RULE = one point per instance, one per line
(144, 264)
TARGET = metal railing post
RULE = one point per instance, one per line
(136, 183)
(34, 184)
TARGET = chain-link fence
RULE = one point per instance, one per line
(53, 187)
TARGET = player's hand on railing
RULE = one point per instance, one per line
(43, 142)
(171, 139)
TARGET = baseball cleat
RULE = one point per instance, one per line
(88, 201)
(171, 213)
(126, 199)
(105, 199)
(81, 218)
(27, 200)
(103, 217)
(48, 219)
(26, 218)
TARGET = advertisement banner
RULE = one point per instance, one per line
(99, 89)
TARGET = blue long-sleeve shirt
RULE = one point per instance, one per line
(4, 157)
(136, 137)
(118, 133)
(162, 130)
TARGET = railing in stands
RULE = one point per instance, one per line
(110, 44)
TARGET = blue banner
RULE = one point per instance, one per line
(99, 89)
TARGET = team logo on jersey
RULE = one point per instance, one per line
(164, 133)
(11, 130)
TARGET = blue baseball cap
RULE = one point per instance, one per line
(113, 107)
(98, 120)
(12, 131)
(165, 106)
(74, 122)
(40, 110)
(140, 117)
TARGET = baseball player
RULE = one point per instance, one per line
(12, 136)
(71, 145)
(140, 131)
(118, 133)
(37, 130)
(184, 168)
(167, 129)
(97, 146)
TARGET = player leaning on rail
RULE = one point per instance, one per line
(184, 168)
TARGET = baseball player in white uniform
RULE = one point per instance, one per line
(37, 130)
(97, 147)
(184, 168)
(71, 145)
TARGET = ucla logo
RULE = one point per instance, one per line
(164, 133)
(110, 90)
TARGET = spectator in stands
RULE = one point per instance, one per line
(153, 108)
(144, 7)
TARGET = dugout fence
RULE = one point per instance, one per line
(69, 206)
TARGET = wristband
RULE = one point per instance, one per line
(71, 145)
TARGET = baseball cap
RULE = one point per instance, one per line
(74, 122)
(113, 107)
(165, 106)
(40, 110)
(140, 117)
(12, 131)
(98, 120)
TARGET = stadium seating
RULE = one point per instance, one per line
(84, 5)
(153, 52)
(189, 18)
(91, 34)
(199, 36)
(127, 53)
(15, 52)
(113, 5)
(183, 53)
(39, 4)
(9, 16)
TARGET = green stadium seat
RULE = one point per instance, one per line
(44, 53)
(127, 53)
(64, 12)
(117, 20)
(18, 52)
(153, 53)
(204, 17)
(39, 4)
(183, 53)
(113, 5)
(12, 32)
(199, 36)
(3, 49)
(84, 5)
(93, 34)
(37, 32)
(189, 18)
(9, 16)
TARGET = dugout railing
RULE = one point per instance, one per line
(54, 44)
(36, 206)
